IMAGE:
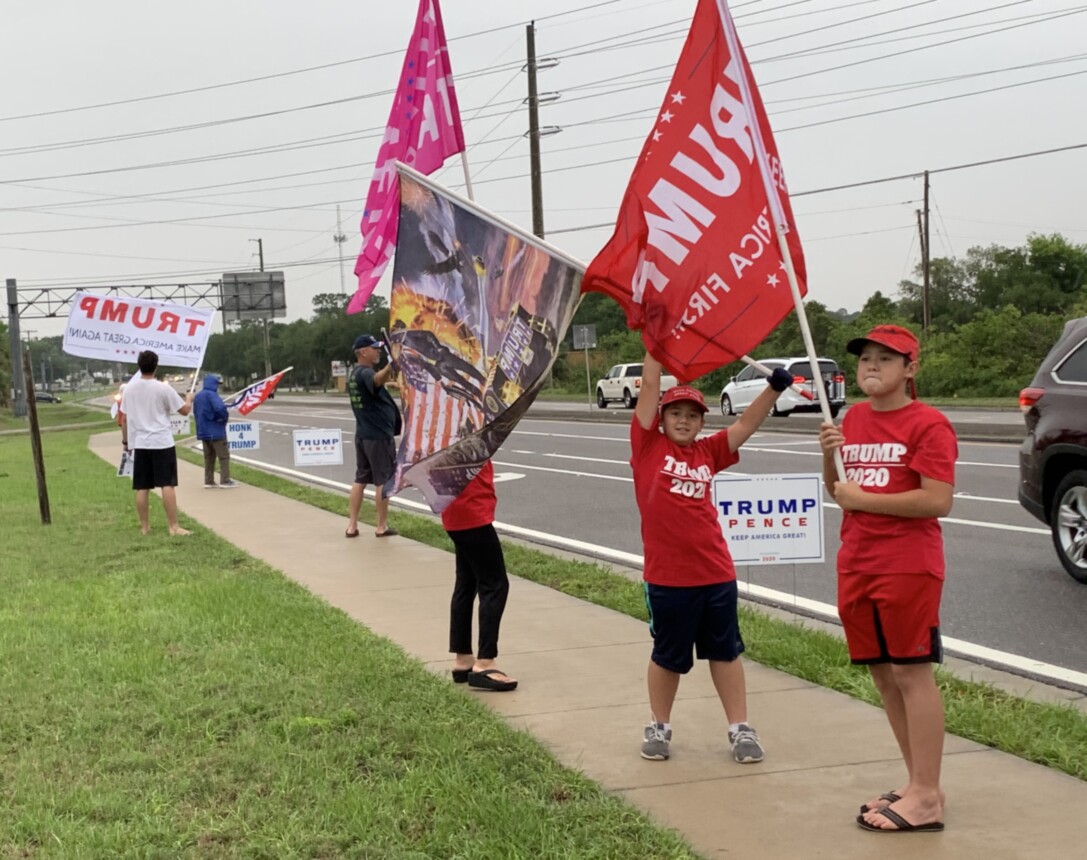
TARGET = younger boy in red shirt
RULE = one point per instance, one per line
(899, 457)
(690, 581)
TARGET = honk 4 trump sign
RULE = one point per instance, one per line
(243, 435)
(771, 519)
(119, 328)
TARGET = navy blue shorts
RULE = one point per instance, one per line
(700, 618)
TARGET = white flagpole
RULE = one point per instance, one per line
(467, 175)
(777, 211)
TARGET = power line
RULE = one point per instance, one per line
(119, 279)
(291, 72)
(882, 57)
(369, 133)
(896, 178)
(146, 133)
(933, 101)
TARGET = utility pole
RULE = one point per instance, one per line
(534, 134)
(925, 264)
(267, 340)
(260, 251)
(29, 354)
(339, 238)
(15, 342)
(27, 372)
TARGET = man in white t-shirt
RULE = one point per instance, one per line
(146, 407)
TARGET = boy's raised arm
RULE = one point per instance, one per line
(760, 407)
(649, 396)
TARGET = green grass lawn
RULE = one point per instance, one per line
(168, 698)
(176, 698)
(56, 415)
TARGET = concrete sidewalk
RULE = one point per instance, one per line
(582, 693)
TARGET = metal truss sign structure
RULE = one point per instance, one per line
(53, 302)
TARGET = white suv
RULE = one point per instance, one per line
(624, 382)
(746, 385)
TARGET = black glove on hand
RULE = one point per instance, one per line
(780, 379)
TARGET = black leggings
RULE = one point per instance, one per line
(481, 569)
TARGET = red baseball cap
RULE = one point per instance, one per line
(894, 337)
(684, 392)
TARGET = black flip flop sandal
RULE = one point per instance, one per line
(484, 681)
(890, 797)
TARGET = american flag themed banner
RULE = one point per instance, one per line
(705, 254)
(424, 129)
(252, 396)
(477, 312)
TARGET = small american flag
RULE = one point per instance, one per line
(248, 399)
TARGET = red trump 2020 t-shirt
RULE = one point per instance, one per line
(889, 452)
(682, 539)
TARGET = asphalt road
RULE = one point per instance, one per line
(568, 479)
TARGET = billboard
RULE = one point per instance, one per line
(254, 296)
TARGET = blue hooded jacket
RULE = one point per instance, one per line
(211, 414)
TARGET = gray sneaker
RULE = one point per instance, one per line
(211, 486)
(228, 485)
(655, 745)
(746, 748)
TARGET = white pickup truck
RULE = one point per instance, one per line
(624, 382)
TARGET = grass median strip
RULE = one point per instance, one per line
(177, 698)
(1053, 735)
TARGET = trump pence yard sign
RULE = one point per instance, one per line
(318, 448)
(771, 519)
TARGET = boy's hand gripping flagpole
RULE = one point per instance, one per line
(781, 228)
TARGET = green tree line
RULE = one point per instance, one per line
(994, 314)
(993, 317)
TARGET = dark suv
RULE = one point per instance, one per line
(1053, 459)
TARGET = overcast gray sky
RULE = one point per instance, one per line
(166, 205)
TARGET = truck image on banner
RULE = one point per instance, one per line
(477, 312)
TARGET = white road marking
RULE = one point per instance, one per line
(586, 459)
(564, 472)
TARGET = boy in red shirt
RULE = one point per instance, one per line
(899, 457)
(690, 581)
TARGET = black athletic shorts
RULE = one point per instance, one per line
(701, 618)
(154, 467)
(375, 460)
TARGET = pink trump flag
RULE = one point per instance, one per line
(424, 129)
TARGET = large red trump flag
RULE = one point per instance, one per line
(695, 259)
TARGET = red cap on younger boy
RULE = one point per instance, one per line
(893, 337)
(684, 392)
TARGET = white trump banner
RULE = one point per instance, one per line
(119, 328)
(243, 435)
(771, 519)
(318, 448)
